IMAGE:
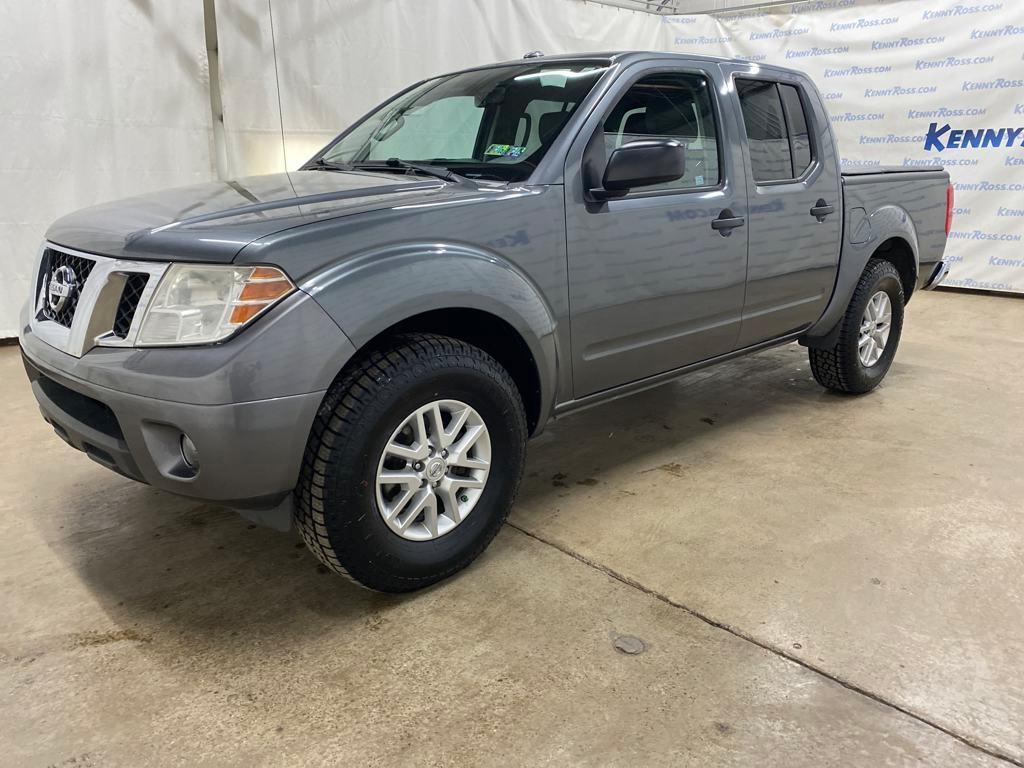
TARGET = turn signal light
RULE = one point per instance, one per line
(206, 303)
(264, 286)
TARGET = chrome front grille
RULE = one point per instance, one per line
(63, 312)
(131, 295)
(84, 300)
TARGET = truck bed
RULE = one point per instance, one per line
(884, 191)
(886, 169)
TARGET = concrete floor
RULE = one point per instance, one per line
(819, 580)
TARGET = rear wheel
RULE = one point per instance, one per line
(412, 464)
(869, 334)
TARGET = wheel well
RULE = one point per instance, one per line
(898, 251)
(491, 334)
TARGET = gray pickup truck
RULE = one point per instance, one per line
(365, 345)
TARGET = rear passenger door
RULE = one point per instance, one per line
(794, 203)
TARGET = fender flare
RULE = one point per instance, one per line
(862, 238)
(373, 291)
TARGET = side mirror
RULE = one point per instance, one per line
(642, 163)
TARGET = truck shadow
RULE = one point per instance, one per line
(160, 563)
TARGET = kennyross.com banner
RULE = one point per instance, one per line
(909, 83)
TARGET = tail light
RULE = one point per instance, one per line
(949, 208)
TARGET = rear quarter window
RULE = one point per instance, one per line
(776, 124)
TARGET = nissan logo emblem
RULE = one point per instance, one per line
(62, 286)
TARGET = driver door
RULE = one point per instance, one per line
(652, 285)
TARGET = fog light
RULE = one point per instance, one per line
(189, 452)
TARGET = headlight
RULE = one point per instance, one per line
(196, 304)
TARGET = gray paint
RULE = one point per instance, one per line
(609, 297)
(652, 286)
(910, 206)
(251, 451)
(507, 257)
(293, 350)
(793, 258)
(212, 222)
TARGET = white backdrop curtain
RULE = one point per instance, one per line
(905, 82)
(111, 98)
(98, 100)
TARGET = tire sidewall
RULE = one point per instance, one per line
(354, 519)
(885, 279)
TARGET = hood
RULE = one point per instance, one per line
(214, 221)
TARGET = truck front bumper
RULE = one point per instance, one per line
(129, 409)
(249, 454)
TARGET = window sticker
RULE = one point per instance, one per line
(505, 150)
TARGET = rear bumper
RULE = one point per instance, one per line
(932, 275)
(249, 453)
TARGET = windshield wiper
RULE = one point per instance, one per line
(390, 165)
(394, 163)
(327, 165)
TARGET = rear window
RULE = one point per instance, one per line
(799, 138)
(776, 124)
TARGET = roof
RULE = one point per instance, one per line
(624, 57)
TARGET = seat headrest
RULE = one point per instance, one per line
(550, 124)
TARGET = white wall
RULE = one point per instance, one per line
(109, 98)
(339, 58)
(889, 72)
(98, 100)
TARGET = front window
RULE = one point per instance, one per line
(673, 106)
(494, 123)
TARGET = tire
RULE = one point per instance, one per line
(338, 501)
(841, 368)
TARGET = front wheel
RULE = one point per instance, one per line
(869, 334)
(412, 464)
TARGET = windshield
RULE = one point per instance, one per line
(494, 123)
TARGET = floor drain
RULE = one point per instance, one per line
(629, 645)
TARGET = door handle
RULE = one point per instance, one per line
(821, 209)
(726, 222)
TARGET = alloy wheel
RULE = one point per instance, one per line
(433, 470)
(874, 329)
